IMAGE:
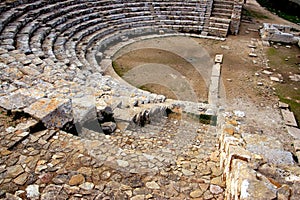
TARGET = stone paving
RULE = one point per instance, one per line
(150, 163)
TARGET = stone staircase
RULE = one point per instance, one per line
(220, 18)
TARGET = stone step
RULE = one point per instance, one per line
(221, 15)
(224, 2)
(222, 10)
(219, 20)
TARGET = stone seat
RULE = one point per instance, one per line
(29, 21)
(219, 25)
(221, 32)
(47, 45)
(224, 2)
(102, 44)
(223, 6)
(222, 15)
(88, 41)
(37, 40)
(219, 20)
(222, 10)
(55, 22)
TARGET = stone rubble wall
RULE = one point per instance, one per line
(278, 33)
(249, 168)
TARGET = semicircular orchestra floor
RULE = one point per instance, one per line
(177, 67)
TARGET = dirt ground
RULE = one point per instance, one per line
(241, 73)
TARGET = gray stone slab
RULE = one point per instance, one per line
(268, 147)
(216, 70)
(275, 156)
(20, 99)
(213, 94)
(54, 113)
(84, 109)
(295, 132)
(289, 118)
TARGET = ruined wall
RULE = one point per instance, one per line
(255, 166)
(278, 33)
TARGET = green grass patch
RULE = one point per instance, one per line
(278, 58)
(286, 9)
(254, 14)
(143, 87)
(118, 69)
(272, 52)
(291, 18)
(294, 106)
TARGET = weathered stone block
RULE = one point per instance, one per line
(20, 98)
(54, 113)
(289, 118)
(84, 109)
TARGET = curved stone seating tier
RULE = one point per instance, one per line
(61, 43)
(124, 15)
(38, 17)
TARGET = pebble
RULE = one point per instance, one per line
(77, 179)
(215, 189)
(187, 172)
(14, 171)
(87, 186)
(138, 197)
(152, 185)
(122, 163)
(32, 191)
(105, 175)
(21, 179)
(196, 193)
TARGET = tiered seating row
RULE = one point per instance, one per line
(66, 31)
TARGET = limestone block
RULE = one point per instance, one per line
(54, 113)
(216, 70)
(295, 132)
(268, 147)
(20, 98)
(283, 105)
(244, 184)
(84, 109)
(235, 153)
(289, 118)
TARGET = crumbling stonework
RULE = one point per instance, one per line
(278, 33)
(255, 166)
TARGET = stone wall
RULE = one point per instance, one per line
(255, 166)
